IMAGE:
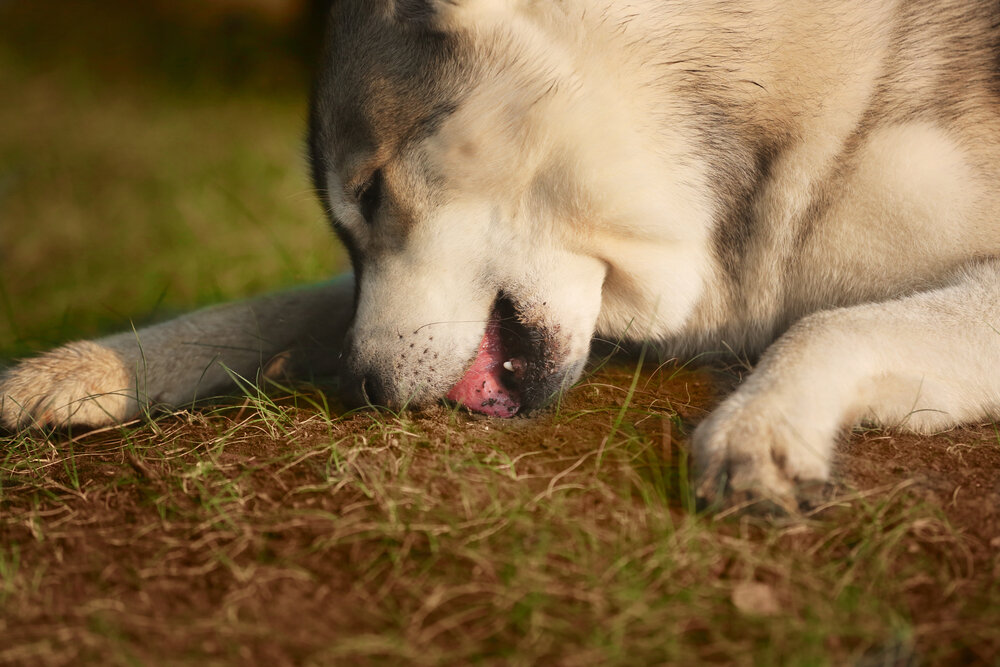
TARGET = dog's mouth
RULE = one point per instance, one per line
(497, 383)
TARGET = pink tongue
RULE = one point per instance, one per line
(480, 389)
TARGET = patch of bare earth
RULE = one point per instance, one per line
(272, 533)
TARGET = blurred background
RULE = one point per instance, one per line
(152, 160)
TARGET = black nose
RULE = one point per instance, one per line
(363, 389)
(360, 386)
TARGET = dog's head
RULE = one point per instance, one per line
(482, 169)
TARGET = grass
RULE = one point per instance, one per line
(270, 531)
(126, 191)
(140, 176)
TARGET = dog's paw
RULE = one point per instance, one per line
(80, 383)
(755, 454)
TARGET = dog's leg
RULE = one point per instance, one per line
(168, 365)
(925, 362)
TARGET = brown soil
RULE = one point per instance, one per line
(234, 538)
(957, 471)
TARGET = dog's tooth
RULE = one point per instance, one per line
(509, 365)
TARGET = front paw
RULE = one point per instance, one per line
(80, 383)
(760, 454)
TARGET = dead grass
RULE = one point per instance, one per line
(274, 533)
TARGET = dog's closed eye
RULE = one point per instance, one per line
(369, 196)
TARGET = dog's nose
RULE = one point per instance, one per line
(363, 390)
(359, 385)
(365, 379)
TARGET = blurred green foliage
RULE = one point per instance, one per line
(148, 165)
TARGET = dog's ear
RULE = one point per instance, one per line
(445, 14)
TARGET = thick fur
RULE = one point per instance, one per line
(817, 182)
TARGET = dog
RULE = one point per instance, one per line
(815, 185)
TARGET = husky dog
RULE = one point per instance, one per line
(817, 183)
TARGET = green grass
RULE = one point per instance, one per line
(148, 168)
(436, 538)
(128, 192)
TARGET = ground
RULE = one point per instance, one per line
(147, 169)
(269, 531)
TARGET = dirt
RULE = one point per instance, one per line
(956, 472)
(235, 538)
